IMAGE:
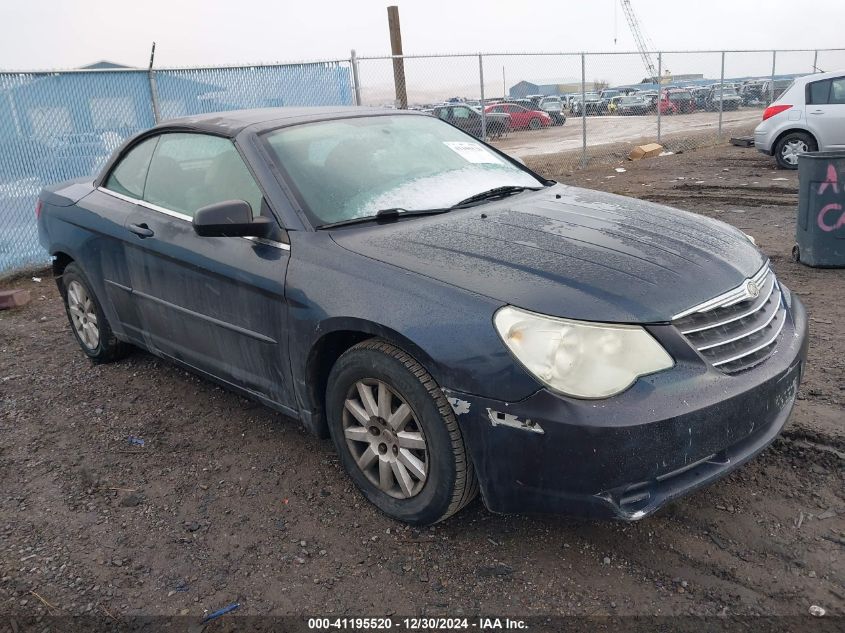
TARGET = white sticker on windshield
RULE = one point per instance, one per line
(472, 152)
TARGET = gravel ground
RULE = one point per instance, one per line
(227, 501)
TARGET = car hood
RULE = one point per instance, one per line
(570, 252)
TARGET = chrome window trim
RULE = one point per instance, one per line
(148, 205)
(187, 218)
(729, 298)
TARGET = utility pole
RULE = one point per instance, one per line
(151, 75)
(398, 60)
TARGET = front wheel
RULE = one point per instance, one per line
(791, 146)
(397, 436)
(534, 124)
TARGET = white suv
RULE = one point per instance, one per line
(808, 117)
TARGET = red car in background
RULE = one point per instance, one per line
(521, 117)
(666, 105)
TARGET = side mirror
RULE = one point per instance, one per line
(231, 218)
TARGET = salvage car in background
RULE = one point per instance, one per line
(453, 320)
(592, 104)
(553, 106)
(632, 105)
(683, 100)
(469, 120)
(520, 116)
(809, 116)
(726, 94)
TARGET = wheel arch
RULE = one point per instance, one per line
(793, 130)
(337, 337)
(60, 261)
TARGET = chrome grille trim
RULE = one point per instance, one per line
(737, 325)
(761, 301)
(756, 349)
(731, 297)
(774, 314)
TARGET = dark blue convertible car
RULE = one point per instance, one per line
(454, 321)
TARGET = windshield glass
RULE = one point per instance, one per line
(352, 168)
(630, 100)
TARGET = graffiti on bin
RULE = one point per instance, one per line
(831, 215)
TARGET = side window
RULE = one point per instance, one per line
(818, 92)
(837, 91)
(443, 113)
(461, 113)
(130, 173)
(190, 171)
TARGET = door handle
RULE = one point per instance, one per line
(817, 112)
(141, 230)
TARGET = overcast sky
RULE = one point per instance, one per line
(67, 33)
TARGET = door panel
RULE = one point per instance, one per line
(215, 303)
(826, 112)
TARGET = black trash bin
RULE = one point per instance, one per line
(820, 234)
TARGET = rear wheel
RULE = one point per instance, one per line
(534, 124)
(791, 146)
(88, 323)
(397, 436)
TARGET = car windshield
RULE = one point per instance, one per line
(680, 96)
(630, 100)
(352, 168)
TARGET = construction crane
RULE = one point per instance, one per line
(644, 44)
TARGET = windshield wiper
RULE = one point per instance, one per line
(385, 215)
(493, 194)
(394, 213)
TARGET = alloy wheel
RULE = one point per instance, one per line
(385, 438)
(83, 315)
(792, 149)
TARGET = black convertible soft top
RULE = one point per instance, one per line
(234, 122)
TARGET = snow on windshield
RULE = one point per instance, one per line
(351, 168)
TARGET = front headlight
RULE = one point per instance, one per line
(580, 358)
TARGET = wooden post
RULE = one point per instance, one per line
(398, 61)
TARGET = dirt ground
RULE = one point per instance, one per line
(609, 132)
(228, 502)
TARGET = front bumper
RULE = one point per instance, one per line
(625, 457)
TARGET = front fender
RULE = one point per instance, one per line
(447, 329)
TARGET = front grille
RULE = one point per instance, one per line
(735, 332)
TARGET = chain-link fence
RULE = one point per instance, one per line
(567, 110)
(56, 126)
(556, 111)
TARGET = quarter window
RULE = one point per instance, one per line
(837, 91)
(191, 171)
(829, 91)
(131, 172)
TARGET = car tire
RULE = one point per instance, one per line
(534, 123)
(87, 320)
(417, 468)
(790, 146)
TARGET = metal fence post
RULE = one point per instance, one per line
(815, 61)
(659, 90)
(481, 84)
(154, 86)
(356, 86)
(583, 111)
(721, 93)
(772, 89)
